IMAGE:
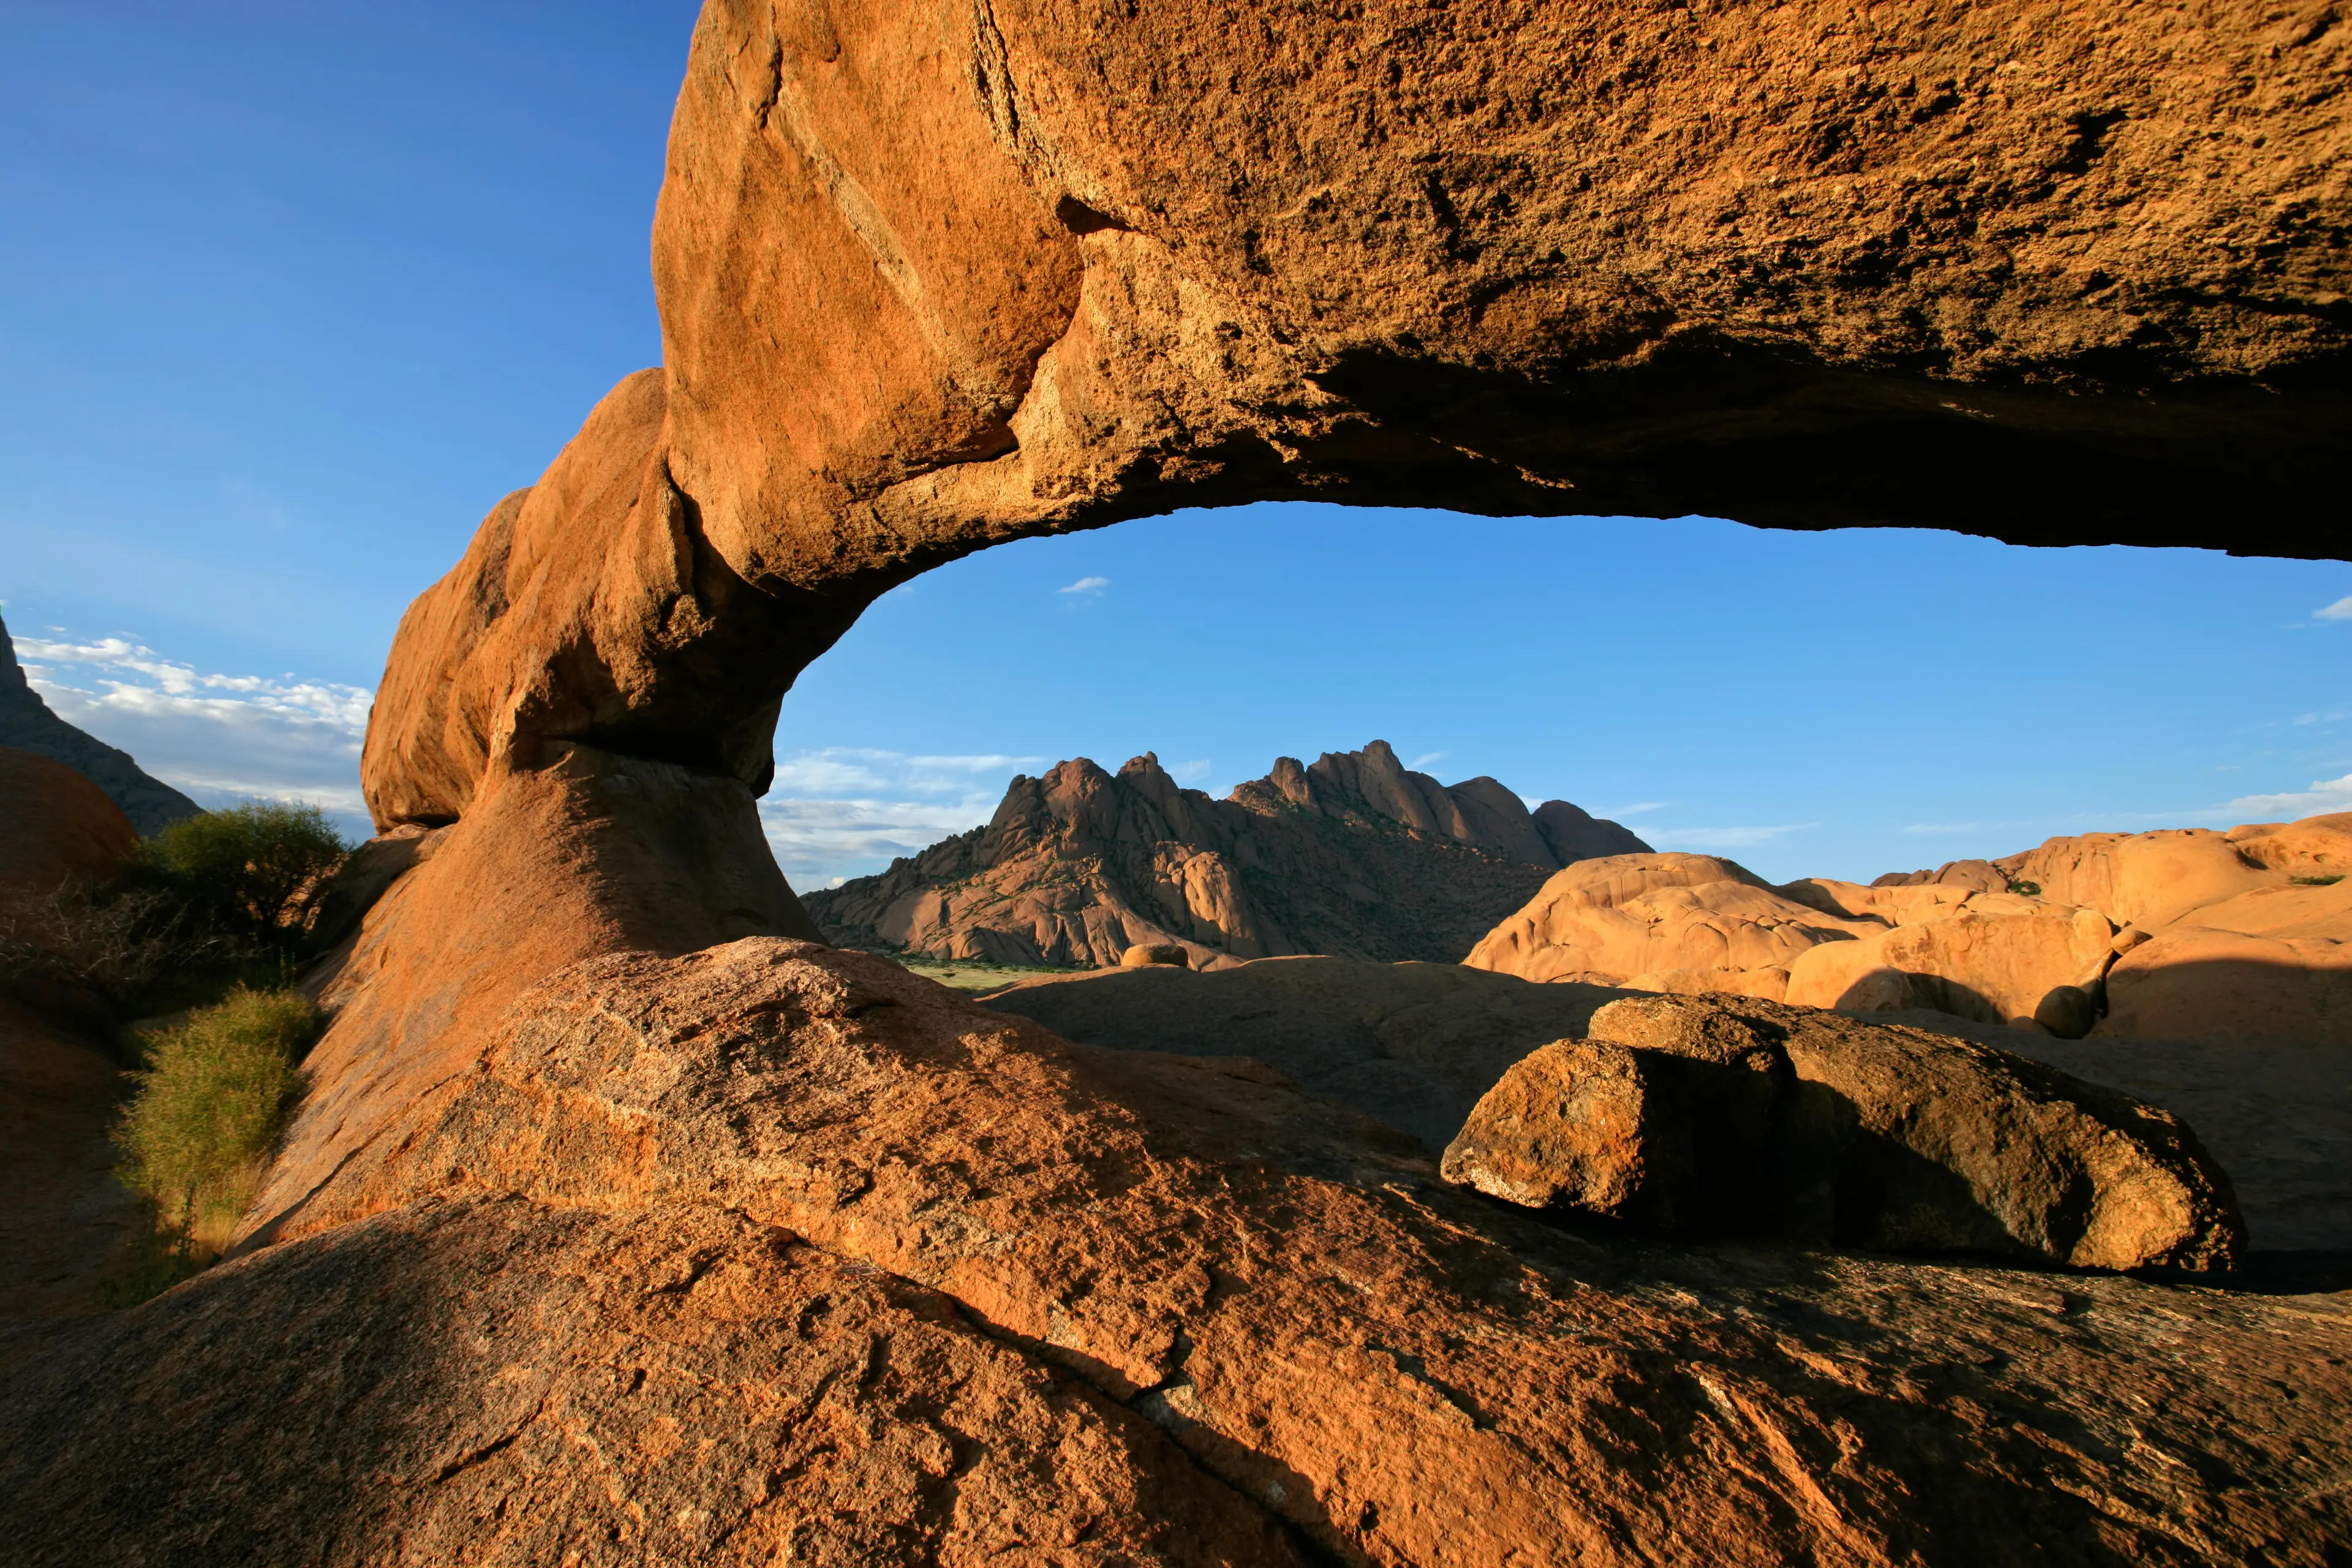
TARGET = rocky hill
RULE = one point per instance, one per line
(26, 725)
(2231, 938)
(1355, 856)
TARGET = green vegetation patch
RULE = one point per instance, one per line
(218, 899)
(257, 871)
(2317, 881)
(205, 1118)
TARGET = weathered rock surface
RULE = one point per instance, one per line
(1995, 966)
(60, 836)
(26, 725)
(492, 1380)
(1874, 1135)
(2275, 1115)
(1353, 855)
(586, 854)
(64, 1216)
(1665, 1138)
(1400, 1373)
(932, 278)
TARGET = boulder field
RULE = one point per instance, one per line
(2180, 934)
(1078, 865)
(623, 1222)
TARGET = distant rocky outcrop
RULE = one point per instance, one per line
(27, 725)
(1355, 856)
(2177, 934)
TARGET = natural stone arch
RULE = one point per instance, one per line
(933, 277)
(937, 275)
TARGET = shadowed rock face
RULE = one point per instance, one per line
(934, 277)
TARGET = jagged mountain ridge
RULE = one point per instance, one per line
(26, 725)
(1354, 855)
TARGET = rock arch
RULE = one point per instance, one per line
(936, 276)
(941, 274)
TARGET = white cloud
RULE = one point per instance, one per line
(2341, 610)
(1190, 772)
(221, 738)
(1087, 586)
(1618, 813)
(2324, 795)
(1705, 838)
(845, 810)
(1426, 758)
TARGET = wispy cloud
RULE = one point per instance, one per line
(1723, 837)
(2323, 795)
(2341, 610)
(1190, 772)
(1426, 758)
(219, 737)
(843, 811)
(1618, 813)
(1087, 586)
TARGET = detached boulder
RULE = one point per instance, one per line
(1754, 1118)
(1671, 1140)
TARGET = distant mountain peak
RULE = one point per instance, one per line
(27, 724)
(1354, 855)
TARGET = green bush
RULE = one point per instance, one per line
(208, 1110)
(255, 871)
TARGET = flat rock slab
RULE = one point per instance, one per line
(1412, 1044)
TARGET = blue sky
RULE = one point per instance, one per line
(290, 294)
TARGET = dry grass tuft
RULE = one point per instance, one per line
(207, 1112)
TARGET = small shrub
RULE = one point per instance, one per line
(2030, 890)
(134, 948)
(2317, 881)
(207, 1111)
(255, 871)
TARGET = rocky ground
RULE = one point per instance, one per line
(772, 1245)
